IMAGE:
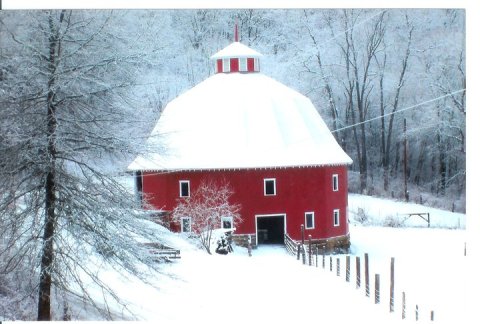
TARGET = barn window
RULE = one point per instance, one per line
(269, 187)
(186, 224)
(139, 185)
(309, 220)
(335, 182)
(184, 188)
(336, 217)
(243, 64)
(227, 222)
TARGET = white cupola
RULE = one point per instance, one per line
(236, 57)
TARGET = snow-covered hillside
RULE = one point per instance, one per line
(272, 286)
(380, 212)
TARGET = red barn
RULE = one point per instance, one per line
(265, 139)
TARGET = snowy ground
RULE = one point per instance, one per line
(273, 287)
(378, 210)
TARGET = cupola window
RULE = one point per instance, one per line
(219, 66)
(243, 64)
(234, 65)
(226, 65)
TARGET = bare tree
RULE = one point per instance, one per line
(387, 133)
(206, 207)
(359, 47)
(324, 79)
(67, 120)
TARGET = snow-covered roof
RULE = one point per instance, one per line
(240, 120)
(236, 49)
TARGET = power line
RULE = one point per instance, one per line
(354, 26)
(399, 111)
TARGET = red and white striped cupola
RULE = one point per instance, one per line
(236, 57)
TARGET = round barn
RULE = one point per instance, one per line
(266, 140)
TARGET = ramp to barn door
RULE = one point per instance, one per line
(270, 228)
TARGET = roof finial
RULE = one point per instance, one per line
(236, 31)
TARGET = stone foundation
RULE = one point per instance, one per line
(242, 240)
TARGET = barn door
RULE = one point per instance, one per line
(270, 229)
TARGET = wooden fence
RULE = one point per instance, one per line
(162, 252)
(290, 245)
(310, 255)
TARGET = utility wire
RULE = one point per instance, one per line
(400, 110)
(354, 26)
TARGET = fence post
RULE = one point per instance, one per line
(298, 251)
(316, 256)
(416, 312)
(302, 229)
(331, 264)
(404, 306)
(358, 271)
(367, 281)
(377, 288)
(310, 250)
(432, 316)
(323, 257)
(347, 269)
(303, 255)
(392, 284)
(338, 267)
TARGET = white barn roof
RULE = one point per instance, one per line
(240, 120)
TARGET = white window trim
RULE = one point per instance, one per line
(256, 65)
(181, 224)
(229, 218)
(242, 64)
(335, 181)
(180, 188)
(274, 186)
(336, 217)
(313, 220)
(226, 65)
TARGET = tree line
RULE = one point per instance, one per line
(389, 83)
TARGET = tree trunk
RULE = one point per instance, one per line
(44, 291)
(383, 150)
(387, 140)
(420, 163)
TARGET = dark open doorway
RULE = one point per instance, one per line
(270, 229)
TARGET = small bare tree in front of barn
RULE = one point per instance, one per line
(206, 207)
